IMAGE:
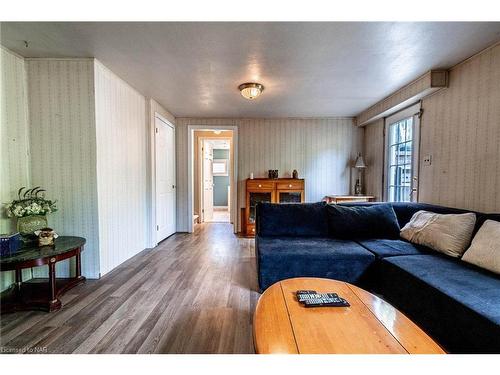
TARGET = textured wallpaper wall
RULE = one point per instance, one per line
(121, 168)
(14, 134)
(460, 128)
(14, 141)
(374, 158)
(89, 134)
(63, 149)
(321, 150)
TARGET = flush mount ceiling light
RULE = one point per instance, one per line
(251, 90)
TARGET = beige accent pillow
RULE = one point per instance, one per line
(484, 251)
(449, 234)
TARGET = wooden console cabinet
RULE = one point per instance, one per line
(280, 190)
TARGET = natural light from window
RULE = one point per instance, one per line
(400, 160)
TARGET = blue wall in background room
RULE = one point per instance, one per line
(221, 182)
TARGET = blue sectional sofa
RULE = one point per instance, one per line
(456, 303)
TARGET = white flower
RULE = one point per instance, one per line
(35, 208)
(18, 211)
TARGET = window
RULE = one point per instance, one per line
(401, 157)
(400, 160)
(219, 167)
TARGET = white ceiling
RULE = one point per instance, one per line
(308, 69)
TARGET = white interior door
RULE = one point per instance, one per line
(208, 182)
(165, 179)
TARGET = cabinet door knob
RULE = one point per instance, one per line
(260, 185)
(290, 185)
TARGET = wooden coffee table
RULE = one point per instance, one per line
(369, 325)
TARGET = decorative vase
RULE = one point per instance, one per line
(29, 224)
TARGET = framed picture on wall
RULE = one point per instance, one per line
(219, 167)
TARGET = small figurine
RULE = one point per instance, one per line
(46, 236)
(273, 173)
(295, 174)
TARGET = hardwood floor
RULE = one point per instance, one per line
(193, 293)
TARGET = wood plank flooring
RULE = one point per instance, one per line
(194, 293)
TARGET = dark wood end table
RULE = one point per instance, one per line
(41, 293)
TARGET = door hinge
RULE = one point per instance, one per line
(156, 129)
(157, 227)
(202, 210)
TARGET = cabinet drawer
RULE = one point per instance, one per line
(264, 185)
(291, 185)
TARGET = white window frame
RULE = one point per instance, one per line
(412, 111)
(223, 162)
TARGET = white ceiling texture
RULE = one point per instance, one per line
(308, 69)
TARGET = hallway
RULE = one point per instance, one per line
(193, 293)
(220, 216)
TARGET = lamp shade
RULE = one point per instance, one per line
(360, 163)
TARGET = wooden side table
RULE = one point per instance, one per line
(41, 293)
(348, 198)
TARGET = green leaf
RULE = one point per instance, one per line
(26, 193)
(20, 191)
(34, 191)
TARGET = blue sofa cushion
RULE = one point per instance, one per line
(360, 222)
(296, 220)
(405, 210)
(388, 248)
(280, 258)
(456, 303)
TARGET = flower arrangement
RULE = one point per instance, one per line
(30, 202)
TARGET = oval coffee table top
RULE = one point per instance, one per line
(369, 326)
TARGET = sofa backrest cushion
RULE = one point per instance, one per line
(405, 211)
(362, 222)
(449, 234)
(294, 220)
(484, 251)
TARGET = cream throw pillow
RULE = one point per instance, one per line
(484, 251)
(448, 234)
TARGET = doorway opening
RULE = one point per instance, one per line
(213, 175)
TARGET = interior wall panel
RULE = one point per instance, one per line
(121, 168)
(322, 151)
(63, 149)
(460, 129)
(14, 138)
(374, 159)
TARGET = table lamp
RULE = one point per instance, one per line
(359, 165)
